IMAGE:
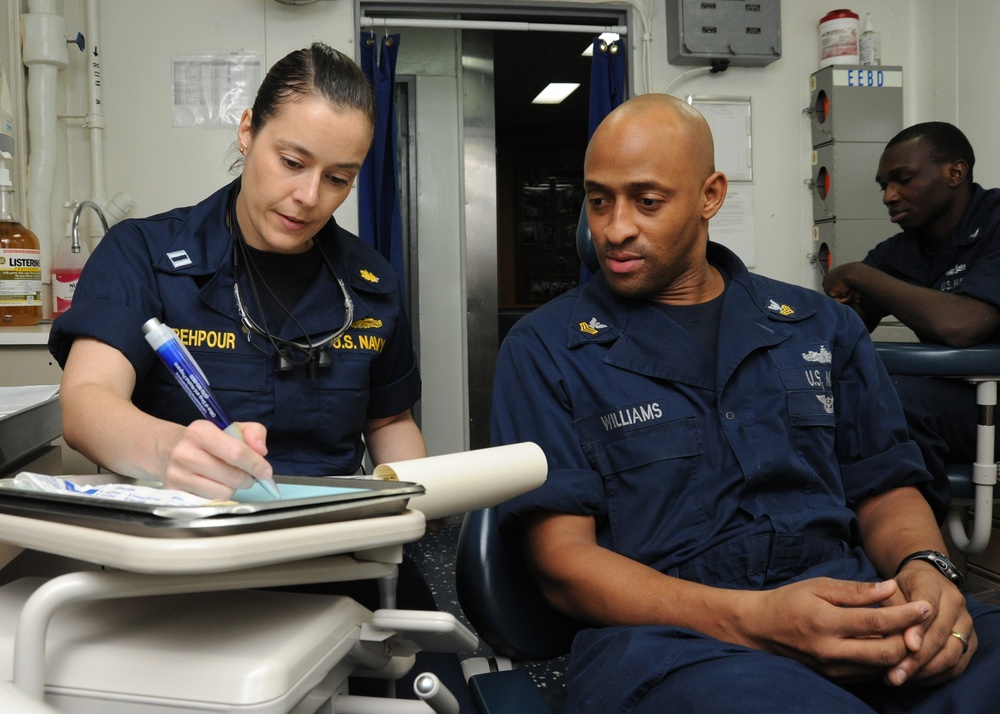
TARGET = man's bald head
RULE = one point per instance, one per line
(666, 116)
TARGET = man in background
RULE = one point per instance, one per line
(940, 277)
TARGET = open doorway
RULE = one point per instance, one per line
(494, 185)
(539, 150)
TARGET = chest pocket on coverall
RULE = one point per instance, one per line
(647, 455)
(807, 375)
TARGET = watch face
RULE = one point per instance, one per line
(942, 565)
(939, 561)
(946, 567)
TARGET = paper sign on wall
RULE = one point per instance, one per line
(214, 89)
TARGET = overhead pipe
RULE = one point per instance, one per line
(437, 23)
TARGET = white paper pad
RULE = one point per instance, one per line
(470, 480)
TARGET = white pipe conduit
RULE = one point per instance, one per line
(44, 54)
(115, 209)
(94, 120)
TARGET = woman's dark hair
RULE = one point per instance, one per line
(946, 141)
(319, 71)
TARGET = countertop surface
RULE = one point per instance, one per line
(26, 334)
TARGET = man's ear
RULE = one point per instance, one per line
(957, 172)
(714, 191)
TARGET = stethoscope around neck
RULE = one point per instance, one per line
(316, 354)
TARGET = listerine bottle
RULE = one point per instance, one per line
(20, 261)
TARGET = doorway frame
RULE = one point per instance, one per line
(478, 193)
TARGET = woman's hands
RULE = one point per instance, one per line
(206, 461)
(101, 422)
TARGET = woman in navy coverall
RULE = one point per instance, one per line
(307, 405)
(304, 142)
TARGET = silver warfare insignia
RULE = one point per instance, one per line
(822, 356)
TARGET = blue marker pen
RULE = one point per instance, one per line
(189, 375)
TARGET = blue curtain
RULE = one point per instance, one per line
(381, 223)
(607, 91)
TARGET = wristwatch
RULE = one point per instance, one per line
(939, 561)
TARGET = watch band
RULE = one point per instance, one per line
(939, 561)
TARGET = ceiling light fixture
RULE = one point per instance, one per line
(555, 93)
(608, 37)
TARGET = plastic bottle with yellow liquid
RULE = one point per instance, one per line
(20, 261)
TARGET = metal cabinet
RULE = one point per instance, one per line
(854, 111)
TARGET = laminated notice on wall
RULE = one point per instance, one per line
(733, 225)
(214, 89)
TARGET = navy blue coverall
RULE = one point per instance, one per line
(942, 413)
(738, 473)
(178, 267)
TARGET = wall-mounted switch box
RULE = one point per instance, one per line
(747, 33)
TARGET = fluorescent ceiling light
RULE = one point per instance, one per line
(555, 93)
(608, 37)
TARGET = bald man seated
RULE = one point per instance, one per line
(732, 508)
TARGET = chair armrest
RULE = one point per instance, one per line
(500, 599)
(929, 360)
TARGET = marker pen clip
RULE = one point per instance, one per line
(194, 382)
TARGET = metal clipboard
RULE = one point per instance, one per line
(366, 498)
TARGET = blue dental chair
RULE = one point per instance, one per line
(500, 599)
(972, 485)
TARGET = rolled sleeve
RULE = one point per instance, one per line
(873, 444)
(386, 400)
(531, 403)
(394, 384)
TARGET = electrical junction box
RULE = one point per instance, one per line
(747, 33)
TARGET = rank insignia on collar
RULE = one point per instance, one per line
(592, 327)
(781, 309)
(369, 276)
(179, 258)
